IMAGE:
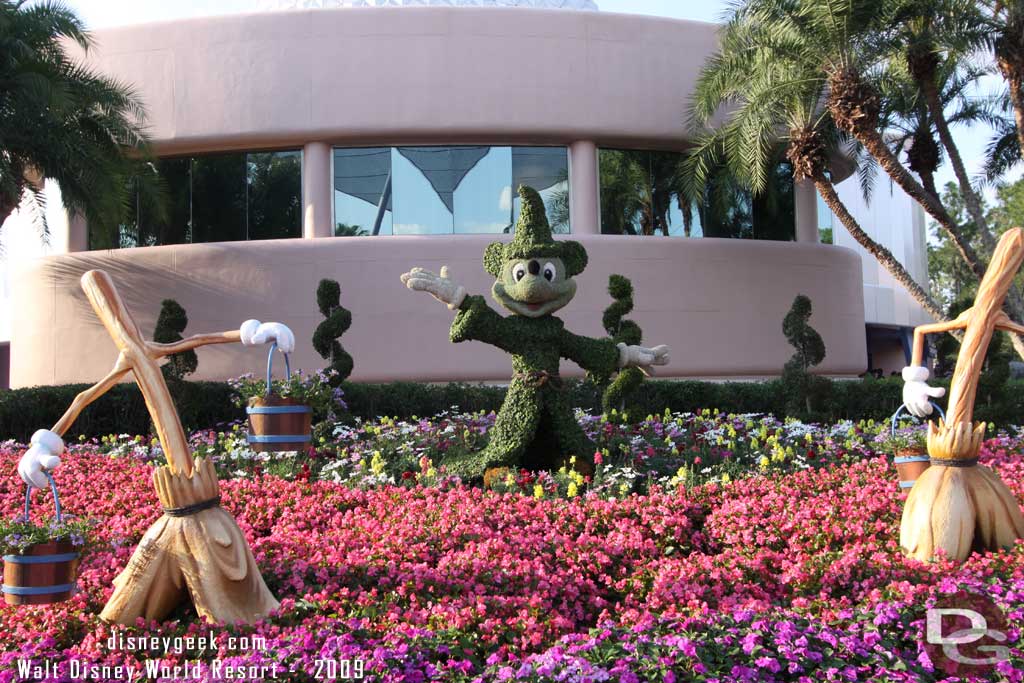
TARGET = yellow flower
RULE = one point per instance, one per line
(572, 459)
(572, 490)
(764, 462)
(538, 491)
(726, 478)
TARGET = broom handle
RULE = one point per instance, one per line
(983, 318)
(140, 358)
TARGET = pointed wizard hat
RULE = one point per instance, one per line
(533, 239)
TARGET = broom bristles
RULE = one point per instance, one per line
(959, 509)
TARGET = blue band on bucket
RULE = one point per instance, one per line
(906, 484)
(40, 559)
(279, 438)
(38, 590)
(277, 410)
(911, 458)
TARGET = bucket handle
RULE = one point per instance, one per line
(56, 498)
(270, 366)
(903, 409)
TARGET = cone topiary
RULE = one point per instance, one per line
(327, 333)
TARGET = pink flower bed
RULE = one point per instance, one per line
(428, 584)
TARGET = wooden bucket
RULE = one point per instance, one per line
(46, 572)
(910, 462)
(277, 423)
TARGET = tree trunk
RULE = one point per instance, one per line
(883, 255)
(875, 145)
(928, 180)
(1011, 64)
(971, 198)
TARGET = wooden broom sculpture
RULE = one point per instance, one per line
(958, 505)
(196, 547)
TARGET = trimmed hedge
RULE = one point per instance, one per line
(209, 404)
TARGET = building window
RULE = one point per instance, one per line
(213, 198)
(445, 190)
(642, 194)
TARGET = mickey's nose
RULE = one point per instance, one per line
(534, 267)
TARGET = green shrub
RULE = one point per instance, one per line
(805, 393)
(171, 322)
(618, 392)
(337, 321)
(209, 404)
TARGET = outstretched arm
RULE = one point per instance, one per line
(921, 330)
(193, 342)
(917, 395)
(121, 368)
(46, 445)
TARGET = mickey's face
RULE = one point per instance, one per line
(534, 287)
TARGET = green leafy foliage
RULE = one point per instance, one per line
(205, 404)
(802, 388)
(337, 321)
(535, 426)
(62, 120)
(627, 380)
(19, 534)
(171, 322)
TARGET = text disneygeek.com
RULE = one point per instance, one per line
(229, 668)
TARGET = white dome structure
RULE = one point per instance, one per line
(272, 5)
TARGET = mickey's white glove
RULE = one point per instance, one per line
(642, 357)
(438, 286)
(254, 332)
(916, 394)
(42, 455)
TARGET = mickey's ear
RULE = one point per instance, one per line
(494, 257)
(574, 256)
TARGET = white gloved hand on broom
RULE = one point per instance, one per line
(41, 456)
(917, 395)
(254, 332)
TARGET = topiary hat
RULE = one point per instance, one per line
(533, 239)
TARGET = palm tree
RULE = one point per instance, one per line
(61, 120)
(1006, 23)
(772, 72)
(909, 121)
(933, 39)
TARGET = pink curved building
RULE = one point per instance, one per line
(404, 131)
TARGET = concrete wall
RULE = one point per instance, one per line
(411, 74)
(718, 303)
(896, 221)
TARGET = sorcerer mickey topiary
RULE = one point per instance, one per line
(535, 428)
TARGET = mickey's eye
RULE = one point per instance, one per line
(549, 271)
(519, 271)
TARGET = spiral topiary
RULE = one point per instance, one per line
(627, 380)
(171, 322)
(327, 333)
(802, 389)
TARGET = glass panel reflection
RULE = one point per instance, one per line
(441, 190)
(275, 195)
(212, 198)
(642, 194)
